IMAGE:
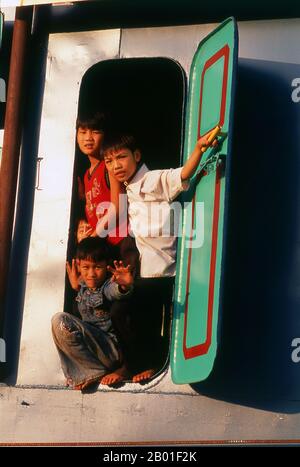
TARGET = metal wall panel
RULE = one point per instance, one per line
(178, 43)
(275, 40)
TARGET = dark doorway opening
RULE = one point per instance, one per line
(142, 96)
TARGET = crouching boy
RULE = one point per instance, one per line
(88, 347)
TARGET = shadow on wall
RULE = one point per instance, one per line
(262, 275)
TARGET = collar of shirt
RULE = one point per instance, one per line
(137, 177)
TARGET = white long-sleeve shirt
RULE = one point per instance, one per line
(153, 218)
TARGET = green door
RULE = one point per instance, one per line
(200, 246)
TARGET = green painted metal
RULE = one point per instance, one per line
(199, 262)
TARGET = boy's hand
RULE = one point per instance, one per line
(207, 140)
(121, 275)
(202, 144)
(93, 233)
(73, 274)
(89, 232)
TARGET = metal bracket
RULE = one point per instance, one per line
(212, 163)
(37, 185)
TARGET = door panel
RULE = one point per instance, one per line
(200, 248)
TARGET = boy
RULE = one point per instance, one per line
(150, 192)
(90, 135)
(88, 348)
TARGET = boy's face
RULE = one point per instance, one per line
(90, 141)
(122, 163)
(93, 273)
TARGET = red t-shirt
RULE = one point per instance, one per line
(97, 191)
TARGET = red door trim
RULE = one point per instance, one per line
(224, 52)
(201, 349)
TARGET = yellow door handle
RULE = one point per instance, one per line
(215, 132)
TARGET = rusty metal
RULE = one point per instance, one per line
(12, 141)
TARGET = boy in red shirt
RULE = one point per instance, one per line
(102, 190)
(90, 135)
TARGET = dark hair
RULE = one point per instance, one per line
(80, 211)
(93, 122)
(93, 249)
(116, 141)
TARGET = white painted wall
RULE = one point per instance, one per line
(274, 40)
(69, 56)
(8, 11)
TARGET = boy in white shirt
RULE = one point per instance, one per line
(150, 194)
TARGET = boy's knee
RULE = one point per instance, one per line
(62, 323)
(56, 319)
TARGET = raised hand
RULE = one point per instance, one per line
(84, 231)
(73, 274)
(208, 140)
(202, 144)
(121, 275)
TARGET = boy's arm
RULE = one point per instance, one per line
(110, 220)
(112, 291)
(191, 164)
(73, 275)
(115, 191)
(166, 185)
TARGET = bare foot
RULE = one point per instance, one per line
(86, 384)
(69, 382)
(116, 377)
(143, 376)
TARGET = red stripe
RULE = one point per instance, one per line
(224, 52)
(201, 349)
